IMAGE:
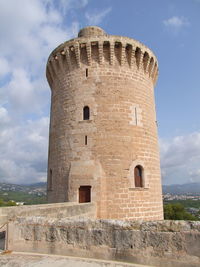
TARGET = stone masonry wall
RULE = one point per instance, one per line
(56, 210)
(115, 77)
(157, 243)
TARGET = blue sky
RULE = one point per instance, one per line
(30, 30)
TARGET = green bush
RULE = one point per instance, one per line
(177, 212)
(7, 203)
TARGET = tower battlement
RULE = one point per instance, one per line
(94, 47)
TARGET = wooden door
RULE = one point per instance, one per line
(84, 194)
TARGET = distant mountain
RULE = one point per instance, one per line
(30, 189)
(190, 188)
(178, 189)
(41, 184)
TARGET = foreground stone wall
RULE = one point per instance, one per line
(159, 243)
(56, 210)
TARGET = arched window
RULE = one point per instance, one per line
(86, 113)
(138, 173)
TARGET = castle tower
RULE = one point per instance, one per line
(103, 144)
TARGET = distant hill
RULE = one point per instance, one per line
(28, 194)
(32, 188)
(41, 184)
(190, 188)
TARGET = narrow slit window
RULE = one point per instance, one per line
(136, 120)
(86, 113)
(86, 72)
(86, 140)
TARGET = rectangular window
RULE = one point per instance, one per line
(86, 140)
(86, 72)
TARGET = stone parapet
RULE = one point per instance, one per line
(56, 210)
(156, 243)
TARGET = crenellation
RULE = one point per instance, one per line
(66, 51)
(83, 54)
(88, 49)
(49, 76)
(151, 65)
(154, 71)
(111, 53)
(123, 54)
(120, 52)
(72, 57)
(77, 54)
(146, 61)
(95, 52)
(100, 53)
(156, 76)
(129, 54)
(51, 71)
(138, 57)
(60, 63)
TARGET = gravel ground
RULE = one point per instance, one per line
(34, 260)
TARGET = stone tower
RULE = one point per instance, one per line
(103, 144)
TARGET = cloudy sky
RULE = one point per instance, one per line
(29, 30)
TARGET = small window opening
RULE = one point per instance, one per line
(136, 121)
(86, 72)
(50, 180)
(138, 176)
(86, 140)
(86, 113)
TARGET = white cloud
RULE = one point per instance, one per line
(176, 23)
(96, 17)
(65, 5)
(25, 39)
(4, 117)
(21, 90)
(23, 157)
(29, 31)
(180, 159)
(4, 67)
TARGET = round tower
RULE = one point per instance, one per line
(103, 144)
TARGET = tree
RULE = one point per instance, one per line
(11, 203)
(2, 203)
(177, 212)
